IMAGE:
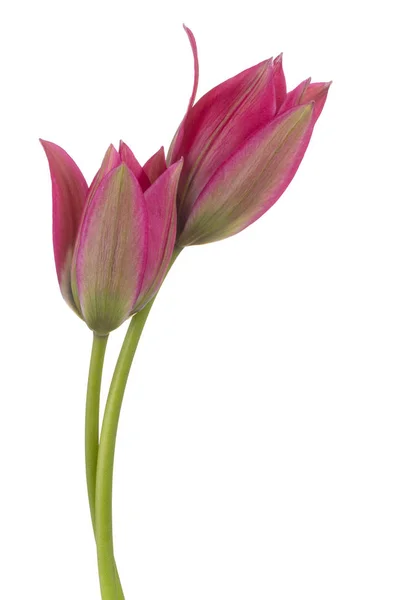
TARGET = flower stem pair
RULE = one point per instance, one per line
(100, 455)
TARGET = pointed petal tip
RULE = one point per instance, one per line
(122, 170)
(324, 85)
(111, 152)
(325, 88)
(46, 145)
(123, 146)
(177, 166)
(264, 66)
(315, 91)
(191, 37)
(160, 151)
(307, 109)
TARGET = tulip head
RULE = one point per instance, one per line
(242, 144)
(113, 240)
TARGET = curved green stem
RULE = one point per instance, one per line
(105, 462)
(92, 427)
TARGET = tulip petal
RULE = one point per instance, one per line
(193, 45)
(129, 158)
(69, 195)
(155, 166)
(293, 98)
(307, 92)
(220, 122)
(252, 180)
(161, 209)
(317, 93)
(175, 150)
(279, 82)
(110, 161)
(111, 255)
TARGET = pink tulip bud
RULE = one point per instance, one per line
(242, 144)
(113, 241)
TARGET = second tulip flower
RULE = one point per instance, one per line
(113, 240)
(242, 144)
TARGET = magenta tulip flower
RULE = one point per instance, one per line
(242, 144)
(113, 240)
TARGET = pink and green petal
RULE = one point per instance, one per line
(293, 98)
(175, 150)
(111, 255)
(279, 82)
(160, 201)
(110, 161)
(155, 166)
(307, 92)
(252, 180)
(317, 93)
(219, 122)
(69, 196)
(129, 159)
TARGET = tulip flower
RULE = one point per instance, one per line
(242, 144)
(113, 240)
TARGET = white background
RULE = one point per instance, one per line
(259, 450)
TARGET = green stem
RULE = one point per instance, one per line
(92, 427)
(92, 417)
(105, 462)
